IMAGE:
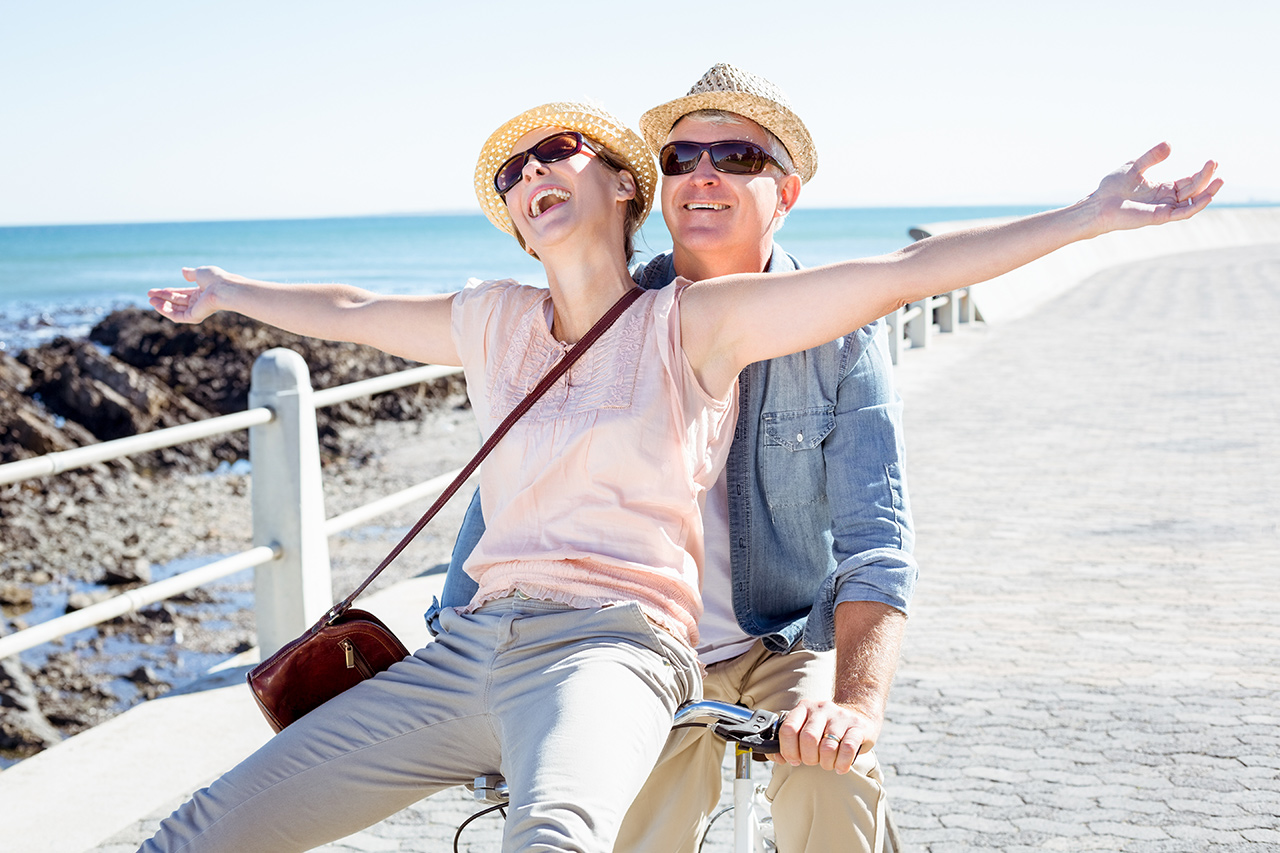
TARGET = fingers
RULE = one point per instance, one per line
(830, 740)
(839, 752)
(789, 748)
(176, 303)
(1196, 184)
(171, 296)
(1197, 202)
(189, 273)
(1155, 155)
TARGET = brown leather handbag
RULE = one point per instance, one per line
(348, 645)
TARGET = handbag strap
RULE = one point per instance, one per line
(557, 370)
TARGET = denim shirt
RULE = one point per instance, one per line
(818, 506)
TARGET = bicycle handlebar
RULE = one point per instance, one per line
(756, 730)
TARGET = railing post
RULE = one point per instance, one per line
(948, 311)
(893, 322)
(292, 592)
(919, 326)
(968, 310)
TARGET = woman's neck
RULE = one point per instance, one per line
(583, 290)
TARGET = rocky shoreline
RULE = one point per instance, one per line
(69, 540)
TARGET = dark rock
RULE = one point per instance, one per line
(24, 729)
(161, 374)
(110, 398)
(81, 600)
(129, 571)
(143, 675)
(14, 374)
(15, 595)
(26, 428)
(212, 364)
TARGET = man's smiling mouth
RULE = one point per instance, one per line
(705, 205)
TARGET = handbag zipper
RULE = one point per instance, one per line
(355, 660)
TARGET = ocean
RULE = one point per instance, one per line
(62, 279)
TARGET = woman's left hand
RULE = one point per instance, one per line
(1126, 199)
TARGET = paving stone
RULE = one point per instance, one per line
(1086, 842)
(921, 795)
(1192, 832)
(1058, 828)
(996, 774)
(1262, 836)
(1206, 807)
(1129, 830)
(1135, 805)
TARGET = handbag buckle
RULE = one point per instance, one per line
(330, 617)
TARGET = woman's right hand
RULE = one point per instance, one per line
(191, 304)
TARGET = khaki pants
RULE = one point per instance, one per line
(814, 810)
(571, 706)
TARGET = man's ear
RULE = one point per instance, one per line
(626, 185)
(788, 194)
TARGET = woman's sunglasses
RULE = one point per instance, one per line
(734, 157)
(558, 146)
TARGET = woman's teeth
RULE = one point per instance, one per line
(551, 196)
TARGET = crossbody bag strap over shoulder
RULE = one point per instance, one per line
(348, 646)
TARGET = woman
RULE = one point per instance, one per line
(588, 572)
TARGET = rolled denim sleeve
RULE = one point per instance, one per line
(871, 527)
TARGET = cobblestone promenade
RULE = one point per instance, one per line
(1093, 662)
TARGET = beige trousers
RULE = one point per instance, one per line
(571, 706)
(814, 810)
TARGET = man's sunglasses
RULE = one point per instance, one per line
(734, 157)
(558, 146)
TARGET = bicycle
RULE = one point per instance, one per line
(754, 734)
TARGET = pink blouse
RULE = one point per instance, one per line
(594, 496)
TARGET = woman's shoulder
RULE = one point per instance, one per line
(498, 293)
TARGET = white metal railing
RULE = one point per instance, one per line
(913, 323)
(290, 534)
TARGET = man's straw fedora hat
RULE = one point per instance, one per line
(589, 120)
(727, 87)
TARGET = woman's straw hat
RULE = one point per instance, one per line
(589, 120)
(727, 87)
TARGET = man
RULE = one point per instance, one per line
(808, 567)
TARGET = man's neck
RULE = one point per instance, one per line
(697, 266)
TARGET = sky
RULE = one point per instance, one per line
(141, 111)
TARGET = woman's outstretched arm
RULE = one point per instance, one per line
(413, 327)
(730, 322)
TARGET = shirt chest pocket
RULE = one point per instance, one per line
(802, 429)
(792, 465)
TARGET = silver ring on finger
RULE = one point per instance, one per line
(835, 738)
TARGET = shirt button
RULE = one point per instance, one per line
(799, 436)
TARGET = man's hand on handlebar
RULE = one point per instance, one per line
(825, 733)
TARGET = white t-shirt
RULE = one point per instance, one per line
(719, 635)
